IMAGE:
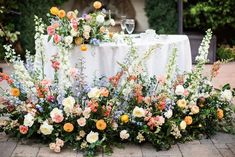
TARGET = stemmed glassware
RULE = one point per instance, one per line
(123, 26)
(130, 25)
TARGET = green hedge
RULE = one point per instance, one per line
(162, 15)
(23, 21)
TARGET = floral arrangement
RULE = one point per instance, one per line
(68, 28)
(129, 106)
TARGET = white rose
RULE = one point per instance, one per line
(87, 112)
(138, 112)
(124, 134)
(179, 90)
(100, 19)
(68, 40)
(28, 120)
(68, 104)
(226, 95)
(112, 22)
(92, 137)
(183, 125)
(87, 28)
(73, 32)
(94, 93)
(46, 129)
(168, 114)
(81, 121)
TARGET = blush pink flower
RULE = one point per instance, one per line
(57, 38)
(74, 23)
(56, 65)
(161, 79)
(186, 93)
(73, 72)
(50, 30)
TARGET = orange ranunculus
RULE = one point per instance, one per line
(68, 127)
(188, 120)
(78, 41)
(15, 92)
(54, 10)
(83, 47)
(101, 125)
(125, 118)
(61, 13)
(97, 4)
(111, 35)
(220, 113)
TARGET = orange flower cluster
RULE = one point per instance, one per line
(93, 105)
(41, 91)
(55, 11)
(68, 127)
(188, 120)
(5, 77)
(15, 92)
(220, 113)
(101, 125)
(115, 79)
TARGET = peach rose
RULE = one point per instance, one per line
(23, 129)
(104, 92)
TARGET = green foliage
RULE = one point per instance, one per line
(19, 15)
(226, 53)
(162, 15)
(218, 15)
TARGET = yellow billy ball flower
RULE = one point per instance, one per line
(124, 118)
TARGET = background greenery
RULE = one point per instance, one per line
(18, 15)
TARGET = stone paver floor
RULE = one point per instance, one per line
(220, 145)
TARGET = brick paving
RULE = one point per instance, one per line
(220, 145)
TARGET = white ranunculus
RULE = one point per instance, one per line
(86, 28)
(46, 129)
(112, 22)
(68, 40)
(94, 93)
(168, 114)
(92, 137)
(28, 120)
(87, 112)
(68, 104)
(183, 125)
(124, 134)
(226, 95)
(100, 19)
(73, 32)
(81, 121)
(179, 90)
(138, 112)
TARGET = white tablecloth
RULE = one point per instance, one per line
(102, 60)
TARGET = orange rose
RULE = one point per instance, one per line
(83, 47)
(101, 125)
(15, 92)
(78, 41)
(220, 113)
(97, 4)
(188, 120)
(68, 127)
(61, 13)
(54, 10)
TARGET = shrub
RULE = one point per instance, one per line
(225, 52)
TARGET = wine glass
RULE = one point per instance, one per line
(130, 25)
(123, 26)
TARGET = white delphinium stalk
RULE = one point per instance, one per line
(201, 59)
(39, 47)
(170, 71)
(20, 69)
